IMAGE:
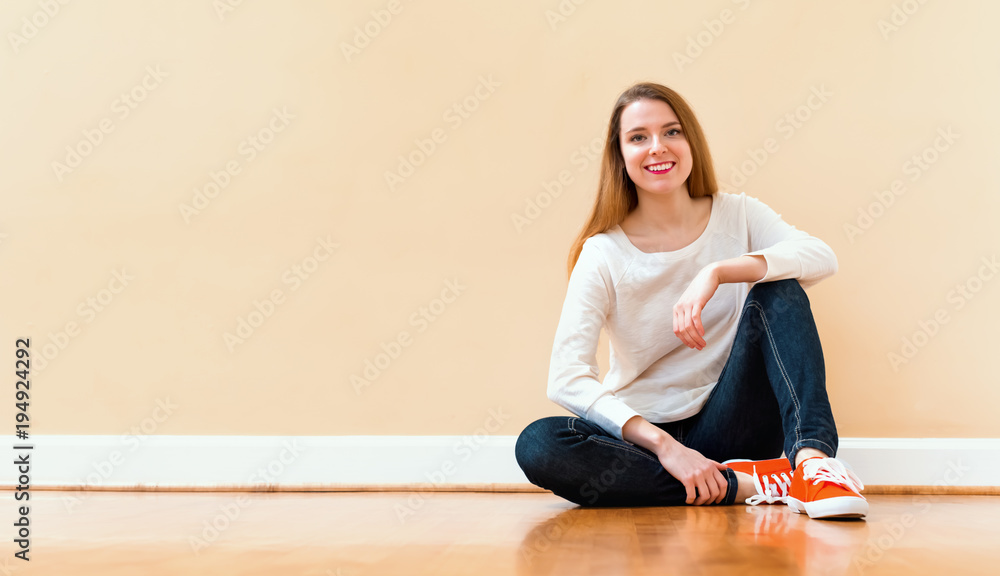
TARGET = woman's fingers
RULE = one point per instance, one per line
(689, 487)
(711, 487)
(679, 327)
(704, 494)
(694, 327)
(701, 477)
(686, 315)
(690, 329)
(720, 479)
(718, 492)
(723, 486)
(696, 320)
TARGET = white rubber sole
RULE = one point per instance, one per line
(841, 507)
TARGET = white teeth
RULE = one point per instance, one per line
(660, 167)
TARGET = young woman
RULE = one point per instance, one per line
(709, 378)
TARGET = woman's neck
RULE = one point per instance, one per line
(665, 212)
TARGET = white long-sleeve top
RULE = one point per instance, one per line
(631, 294)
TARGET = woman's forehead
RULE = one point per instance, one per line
(648, 114)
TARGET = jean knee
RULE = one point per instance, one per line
(534, 442)
(787, 291)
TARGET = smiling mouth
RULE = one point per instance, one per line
(661, 168)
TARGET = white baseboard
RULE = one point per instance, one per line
(318, 462)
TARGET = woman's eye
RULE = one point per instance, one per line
(671, 132)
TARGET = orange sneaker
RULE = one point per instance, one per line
(825, 488)
(772, 478)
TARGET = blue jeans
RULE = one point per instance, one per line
(771, 396)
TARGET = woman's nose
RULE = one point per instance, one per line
(657, 145)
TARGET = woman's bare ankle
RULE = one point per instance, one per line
(804, 453)
(745, 487)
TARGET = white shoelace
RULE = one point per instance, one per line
(831, 470)
(770, 488)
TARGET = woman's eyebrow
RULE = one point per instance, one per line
(637, 128)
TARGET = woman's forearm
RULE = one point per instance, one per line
(744, 268)
(641, 432)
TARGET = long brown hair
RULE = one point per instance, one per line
(616, 195)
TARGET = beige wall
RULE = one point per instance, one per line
(537, 91)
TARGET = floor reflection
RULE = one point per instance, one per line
(821, 547)
(691, 540)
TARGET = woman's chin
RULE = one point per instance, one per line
(662, 188)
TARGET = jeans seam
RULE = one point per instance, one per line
(619, 446)
(571, 423)
(800, 444)
(784, 373)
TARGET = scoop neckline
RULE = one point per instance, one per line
(680, 251)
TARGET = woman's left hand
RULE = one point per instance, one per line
(687, 311)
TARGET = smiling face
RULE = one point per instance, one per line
(656, 152)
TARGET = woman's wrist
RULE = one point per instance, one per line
(642, 433)
(666, 444)
(714, 271)
(746, 268)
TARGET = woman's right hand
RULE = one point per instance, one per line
(702, 478)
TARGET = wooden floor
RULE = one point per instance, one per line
(444, 533)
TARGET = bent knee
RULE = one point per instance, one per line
(787, 290)
(536, 440)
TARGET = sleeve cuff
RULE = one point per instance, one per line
(779, 266)
(610, 413)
